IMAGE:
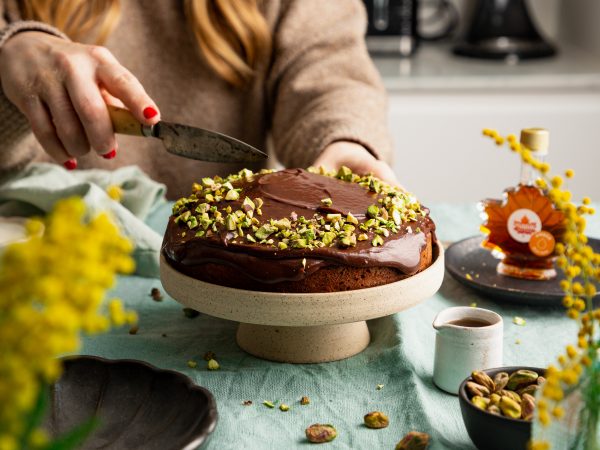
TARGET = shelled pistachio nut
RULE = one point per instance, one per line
(376, 419)
(480, 402)
(484, 379)
(510, 408)
(318, 433)
(495, 399)
(414, 440)
(527, 407)
(477, 389)
(521, 378)
(500, 380)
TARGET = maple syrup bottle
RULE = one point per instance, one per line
(523, 227)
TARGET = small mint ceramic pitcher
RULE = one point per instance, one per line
(467, 339)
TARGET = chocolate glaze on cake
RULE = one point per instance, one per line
(292, 194)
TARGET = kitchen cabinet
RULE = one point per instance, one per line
(438, 105)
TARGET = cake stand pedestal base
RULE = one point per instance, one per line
(311, 344)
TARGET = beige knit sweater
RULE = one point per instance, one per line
(321, 87)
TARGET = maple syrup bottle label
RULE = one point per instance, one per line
(522, 224)
(542, 244)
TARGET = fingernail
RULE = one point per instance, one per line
(70, 164)
(150, 112)
(111, 154)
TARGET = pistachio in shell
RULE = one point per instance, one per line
(527, 407)
(510, 408)
(480, 402)
(483, 379)
(528, 390)
(510, 394)
(414, 440)
(521, 378)
(494, 409)
(318, 433)
(376, 419)
(500, 380)
(474, 389)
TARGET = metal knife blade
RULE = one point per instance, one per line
(204, 145)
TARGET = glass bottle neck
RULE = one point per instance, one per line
(528, 173)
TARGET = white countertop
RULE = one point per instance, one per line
(434, 67)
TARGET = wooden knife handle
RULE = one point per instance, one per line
(124, 122)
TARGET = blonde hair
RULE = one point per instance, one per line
(232, 35)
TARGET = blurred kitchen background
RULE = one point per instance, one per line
(440, 101)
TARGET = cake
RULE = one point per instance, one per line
(299, 230)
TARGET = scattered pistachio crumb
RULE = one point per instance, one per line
(268, 404)
(156, 295)
(473, 305)
(468, 277)
(134, 329)
(519, 321)
(327, 201)
(518, 341)
(190, 313)
(213, 365)
(379, 387)
(247, 402)
(304, 400)
(192, 364)
(284, 407)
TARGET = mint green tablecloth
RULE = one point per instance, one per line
(400, 357)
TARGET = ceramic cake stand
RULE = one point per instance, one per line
(303, 328)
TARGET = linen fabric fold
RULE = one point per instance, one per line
(35, 189)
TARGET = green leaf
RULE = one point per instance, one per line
(36, 414)
(74, 438)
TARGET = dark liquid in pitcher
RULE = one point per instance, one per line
(469, 322)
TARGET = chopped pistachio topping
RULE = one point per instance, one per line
(377, 240)
(232, 194)
(213, 209)
(268, 404)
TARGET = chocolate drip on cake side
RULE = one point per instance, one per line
(293, 193)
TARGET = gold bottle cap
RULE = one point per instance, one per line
(536, 139)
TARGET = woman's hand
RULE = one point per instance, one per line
(357, 158)
(62, 88)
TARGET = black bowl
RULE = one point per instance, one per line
(136, 405)
(489, 431)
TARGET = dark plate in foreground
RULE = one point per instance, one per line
(489, 431)
(137, 405)
(467, 257)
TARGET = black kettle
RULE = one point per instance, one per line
(502, 29)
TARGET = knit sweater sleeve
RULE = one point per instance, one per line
(323, 86)
(14, 153)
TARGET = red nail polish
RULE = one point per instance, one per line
(70, 164)
(110, 155)
(150, 112)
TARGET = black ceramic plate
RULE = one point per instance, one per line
(467, 257)
(137, 405)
